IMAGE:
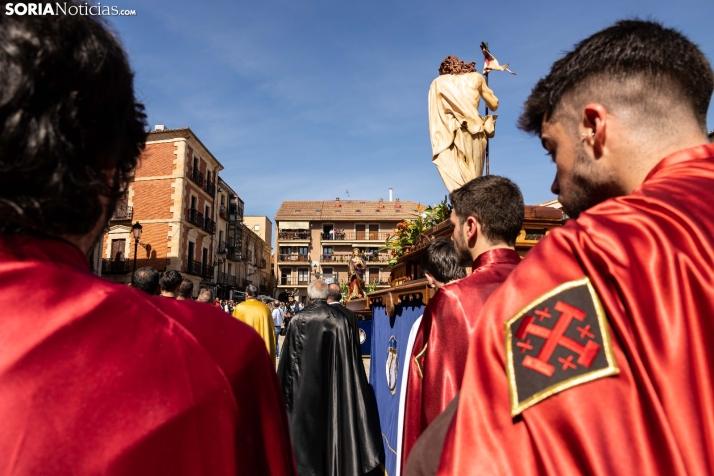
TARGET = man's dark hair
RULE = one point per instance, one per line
(441, 261)
(641, 61)
(495, 202)
(146, 279)
(333, 292)
(170, 280)
(186, 288)
(68, 120)
(251, 290)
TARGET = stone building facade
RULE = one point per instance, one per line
(172, 196)
(316, 239)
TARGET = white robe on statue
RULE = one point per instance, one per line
(458, 133)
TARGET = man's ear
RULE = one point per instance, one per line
(472, 229)
(430, 278)
(593, 128)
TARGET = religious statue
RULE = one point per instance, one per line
(356, 279)
(458, 133)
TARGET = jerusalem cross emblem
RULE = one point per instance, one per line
(557, 342)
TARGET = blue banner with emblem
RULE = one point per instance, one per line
(389, 342)
(365, 337)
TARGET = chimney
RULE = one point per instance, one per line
(390, 194)
(159, 127)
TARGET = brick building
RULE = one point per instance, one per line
(172, 196)
(316, 238)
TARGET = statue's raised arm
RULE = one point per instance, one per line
(458, 132)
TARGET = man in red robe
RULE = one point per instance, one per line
(595, 357)
(97, 377)
(487, 217)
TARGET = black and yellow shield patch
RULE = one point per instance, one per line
(557, 342)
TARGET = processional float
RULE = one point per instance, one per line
(460, 151)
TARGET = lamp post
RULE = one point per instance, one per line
(136, 230)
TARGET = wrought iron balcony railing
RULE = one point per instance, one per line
(122, 212)
(194, 267)
(210, 188)
(357, 235)
(227, 279)
(197, 177)
(195, 217)
(234, 253)
(115, 266)
(207, 271)
(345, 257)
(293, 235)
(294, 257)
(209, 226)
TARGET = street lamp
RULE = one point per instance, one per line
(136, 230)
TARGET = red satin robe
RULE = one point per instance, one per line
(99, 378)
(650, 259)
(435, 373)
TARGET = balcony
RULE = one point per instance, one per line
(207, 271)
(195, 217)
(294, 257)
(197, 177)
(227, 279)
(294, 235)
(115, 266)
(122, 212)
(194, 268)
(223, 212)
(210, 188)
(234, 253)
(209, 226)
(345, 258)
(351, 235)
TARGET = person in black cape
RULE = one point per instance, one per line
(332, 412)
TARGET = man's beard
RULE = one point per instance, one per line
(462, 252)
(588, 187)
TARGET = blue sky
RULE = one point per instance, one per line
(306, 100)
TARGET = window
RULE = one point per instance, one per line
(256, 227)
(285, 276)
(194, 202)
(302, 250)
(223, 200)
(303, 275)
(328, 276)
(327, 250)
(118, 247)
(372, 274)
(191, 251)
(195, 164)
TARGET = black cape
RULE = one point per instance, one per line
(334, 424)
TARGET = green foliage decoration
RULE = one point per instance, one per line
(407, 231)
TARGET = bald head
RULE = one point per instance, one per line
(333, 293)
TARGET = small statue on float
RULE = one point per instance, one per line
(357, 268)
(458, 133)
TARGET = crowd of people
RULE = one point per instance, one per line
(589, 356)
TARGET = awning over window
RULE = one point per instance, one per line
(294, 225)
